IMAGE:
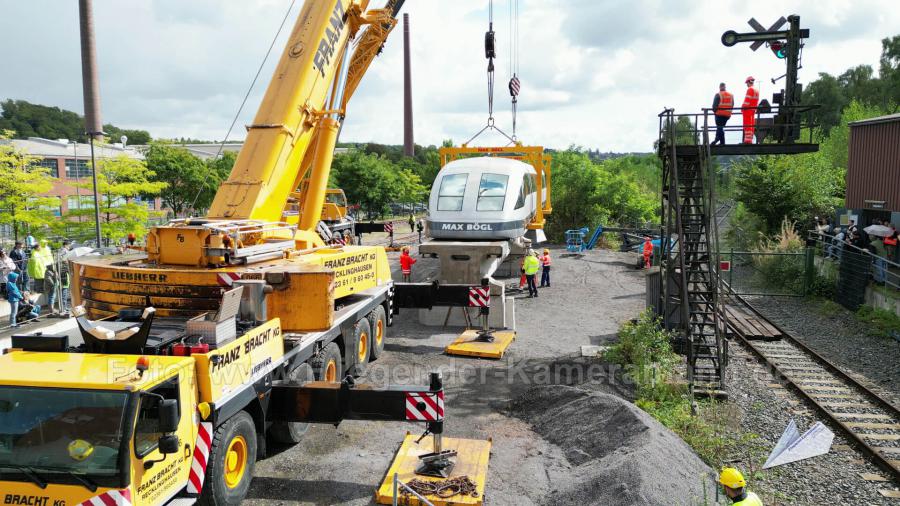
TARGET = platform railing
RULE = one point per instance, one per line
(773, 125)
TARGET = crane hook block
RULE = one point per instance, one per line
(489, 51)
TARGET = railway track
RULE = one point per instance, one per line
(866, 419)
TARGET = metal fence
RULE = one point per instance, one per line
(853, 269)
(768, 274)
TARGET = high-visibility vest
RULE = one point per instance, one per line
(531, 265)
(726, 103)
(750, 499)
(890, 241)
(752, 98)
(546, 260)
(648, 248)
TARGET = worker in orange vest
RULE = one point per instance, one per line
(545, 273)
(647, 252)
(406, 263)
(751, 100)
(723, 102)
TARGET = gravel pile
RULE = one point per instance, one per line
(841, 339)
(616, 453)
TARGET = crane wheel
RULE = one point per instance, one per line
(327, 366)
(292, 432)
(362, 339)
(232, 456)
(378, 323)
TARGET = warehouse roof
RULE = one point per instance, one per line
(881, 119)
(37, 146)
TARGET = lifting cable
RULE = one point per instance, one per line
(514, 84)
(249, 90)
(490, 53)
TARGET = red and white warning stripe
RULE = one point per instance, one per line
(227, 278)
(201, 458)
(479, 296)
(111, 498)
(389, 227)
(425, 406)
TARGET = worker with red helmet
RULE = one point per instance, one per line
(647, 251)
(751, 100)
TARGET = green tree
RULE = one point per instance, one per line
(22, 182)
(135, 137)
(373, 182)
(889, 73)
(120, 181)
(191, 183)
(588, 194)
(796, 188)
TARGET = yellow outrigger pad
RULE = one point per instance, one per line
(467, 344)
(471, 460)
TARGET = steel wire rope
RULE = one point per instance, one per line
(249, 90)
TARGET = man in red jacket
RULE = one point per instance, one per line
(406, 263)
(748, 109)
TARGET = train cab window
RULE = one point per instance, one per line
(146, 431)
(523, 192)
(492, 192)
(451, 192)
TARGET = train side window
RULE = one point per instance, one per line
(491, 192)
(451, 192)
(520, 202)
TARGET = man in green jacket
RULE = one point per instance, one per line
(41, 257)
(531, 265)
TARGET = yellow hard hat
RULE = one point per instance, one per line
(732, 478)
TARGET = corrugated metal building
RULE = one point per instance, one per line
(873, 172)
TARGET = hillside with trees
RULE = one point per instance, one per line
(34, 120)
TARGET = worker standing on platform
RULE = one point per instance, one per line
(736, 488)
(751, 100)
(531, 265)
(647, 252)
(723, 103)
(545, 273)
(406, 263)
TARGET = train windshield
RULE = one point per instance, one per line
(451, 192)
(492, 192)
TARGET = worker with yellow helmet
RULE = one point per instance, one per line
(736, 488)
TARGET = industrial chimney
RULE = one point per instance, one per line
(93, 125)
(409, 148)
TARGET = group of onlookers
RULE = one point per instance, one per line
(883, 248)
(27, 272)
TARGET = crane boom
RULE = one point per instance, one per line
(290, 143)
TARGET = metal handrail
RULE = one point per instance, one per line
(805, 121)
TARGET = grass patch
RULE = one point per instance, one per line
(712, 429)
(881, 322)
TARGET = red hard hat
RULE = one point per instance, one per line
(749, 79)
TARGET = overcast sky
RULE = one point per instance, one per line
(594, 73)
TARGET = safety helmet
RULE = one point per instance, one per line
(732, 478)
(749, 79)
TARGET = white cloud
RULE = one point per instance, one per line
(594, 73)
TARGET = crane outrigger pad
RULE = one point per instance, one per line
(471, 461)
(472, 344)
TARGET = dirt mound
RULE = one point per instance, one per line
(618, 453)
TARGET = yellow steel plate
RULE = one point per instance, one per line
(471, 460)
(468, 345)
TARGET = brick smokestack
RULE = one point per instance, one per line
(409, 148)
(93, 123)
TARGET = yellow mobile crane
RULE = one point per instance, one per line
(229, 330)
